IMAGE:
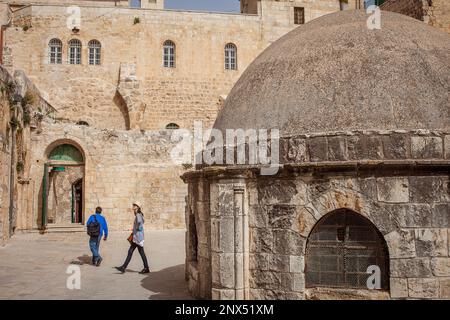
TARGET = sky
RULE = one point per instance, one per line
(204, 5)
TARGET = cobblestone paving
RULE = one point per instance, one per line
(33, 266)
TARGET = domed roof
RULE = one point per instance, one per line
(334, 74)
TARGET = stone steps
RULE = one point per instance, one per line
(65, 228)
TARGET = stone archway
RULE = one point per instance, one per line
(340, 250)
(63, 185)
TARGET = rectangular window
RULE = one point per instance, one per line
(75, 55)
(299, 15)
(169, 57)
(55, 55)
(94, 56)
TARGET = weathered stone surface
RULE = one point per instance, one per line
(426, 189)
(278, 262)
(398, 287)
(261, 240)
(281, 216)
(259, 261)
(318, 149)
(296, 264)
(401, 244)
(395, 146)
(337, 149)
(394, 190)
(265, 280)
(288, 242)
(431, 242)
(223, 271)
(305, 221)
(441, 266)
(441, 215)
(447, 146)
(444, 292)
(411, 268)
(423, 288)
(356, 148)
(374, 147)
(276, 191)
(297, 151)
(294, 282)
(411, 215)
(426, 147)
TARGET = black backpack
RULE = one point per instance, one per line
(93, 228)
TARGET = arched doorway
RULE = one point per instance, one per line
(339, 250)
(63, 186)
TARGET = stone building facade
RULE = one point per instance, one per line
(114, 111)
(362, 183)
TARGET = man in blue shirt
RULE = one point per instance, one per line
(94, 242)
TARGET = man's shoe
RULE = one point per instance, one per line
(145, 270)
(99, 261)
(121, 269)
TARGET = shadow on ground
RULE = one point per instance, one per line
(85, 259)
(167, 284)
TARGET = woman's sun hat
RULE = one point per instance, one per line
(138, 204)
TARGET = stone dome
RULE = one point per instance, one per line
(334, 74)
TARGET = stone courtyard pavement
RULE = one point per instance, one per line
(33, 266)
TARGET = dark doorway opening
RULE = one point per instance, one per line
(77, 202)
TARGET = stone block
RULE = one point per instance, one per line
(398, 288)
(431, 242)
(423, 288)
(426, 147)
(296, 264)
(427, 189)
(356, 148)
(276, 191)
(223, 270)
(447, 146)
(393, 190)
(395, 146)
(288, 242)
(281, 216)
(444, 288)
(401, 244)
(374, 147)
(411, 215)
(297, 151)
(292, 282)
(259, 261)
(258, 217)
(317, 148)
(305, 221)
(261, 240)
(265, 279)
(223, 294)
(440, 266)
(411, 268)
(441, 215)
(278, 262)
(337, 149)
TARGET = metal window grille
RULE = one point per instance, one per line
(55, 51)
(299, 15)
(340, 248)
(169, 54)
(94, 52)
(75, 51)
(230, 57)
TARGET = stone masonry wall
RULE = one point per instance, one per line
(412, 212)
(159, 96)
(120, 167)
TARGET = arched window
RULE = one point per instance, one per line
(55, 51)
(230, 57)
(94, 52)
(169, 54)
(75, 51)
(172, 126)
(340, 248)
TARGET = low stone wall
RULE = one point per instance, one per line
(412, 8)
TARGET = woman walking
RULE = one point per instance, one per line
(136, 240)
